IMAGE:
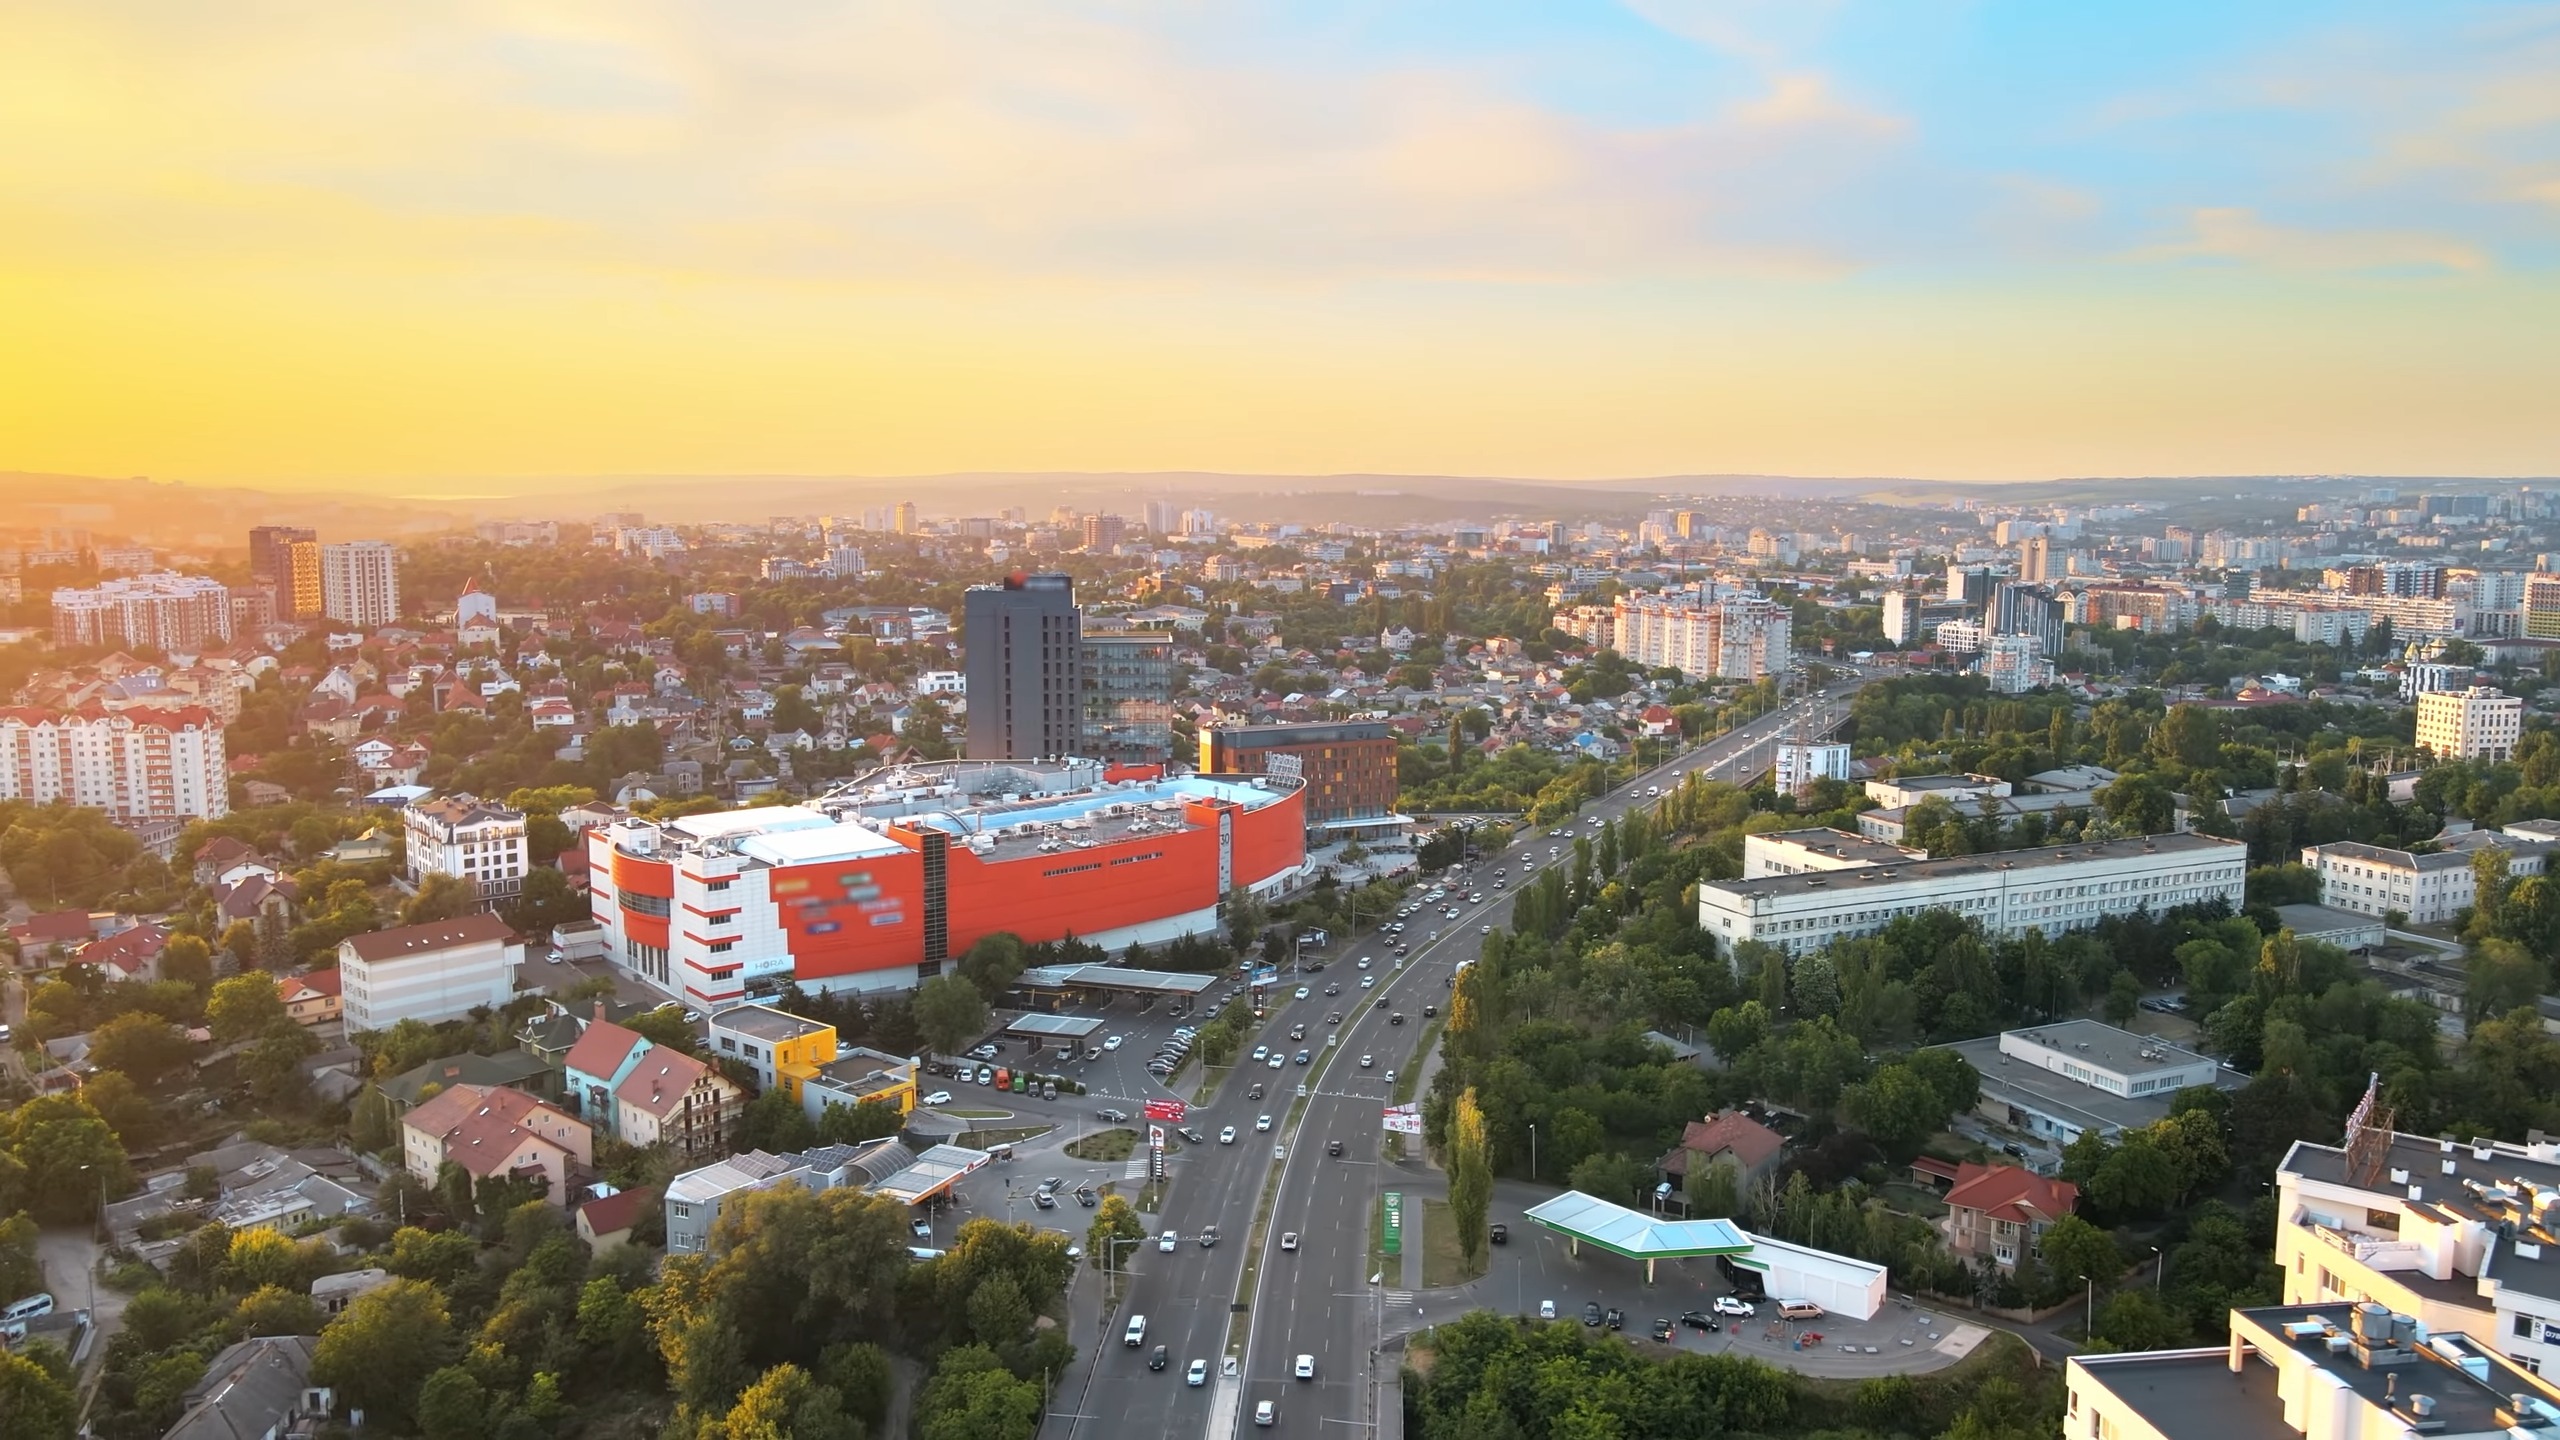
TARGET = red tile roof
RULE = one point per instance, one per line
(480, 1125)
(1752, 1143)
(2008, 1192)
(615, 1213)
(312, 984)
(658, 1084)
(602, 1047)
(130, 951)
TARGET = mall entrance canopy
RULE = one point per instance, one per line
(1634, 1234)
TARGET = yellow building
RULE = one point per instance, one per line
(781, 1048)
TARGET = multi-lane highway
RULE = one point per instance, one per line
(1317, 1300)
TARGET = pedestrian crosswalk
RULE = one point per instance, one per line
(1398, 1299)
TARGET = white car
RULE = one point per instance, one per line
(1302, 992)
(1391, 1077)
(1261, 1053)
(1368, 982)
(1227, 1136)
(1727, 1305)
(1166, 1241)
(938, 1097)
(1289, 1240)
(1197, 1375)
(1364, 962)
(1305, 1369)
(1111, 1044)
(1261, 1122)
(1368, 1061)
(1546, 1309)
(1278, 1059)
(1265, 1414)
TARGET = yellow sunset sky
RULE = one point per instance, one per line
(458, 246)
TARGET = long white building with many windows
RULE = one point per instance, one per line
(1734, 637)
(136, 764)
(2053, 889)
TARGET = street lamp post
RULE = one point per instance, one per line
(1533, 1154)
(2159, 1262)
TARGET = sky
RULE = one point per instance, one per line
(485, 242)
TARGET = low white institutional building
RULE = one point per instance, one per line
(2053, 889)
(434, 972)
(2428, 889)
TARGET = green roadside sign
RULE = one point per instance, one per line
(1391, 1240)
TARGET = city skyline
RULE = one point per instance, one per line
(1964, 243)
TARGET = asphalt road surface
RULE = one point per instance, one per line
(1316, 1301)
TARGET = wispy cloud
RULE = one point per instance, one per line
(2238, 234)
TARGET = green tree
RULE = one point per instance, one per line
(854, 1124)
(373, 1127)
(2499, 976)
(2077, 1251)
(66, 1155)
(244, 1006)
(785, 1403)
(973, 1397)
(453, 1405)
(949, 1011)
(2133, 1320)
(274, 1310)
(141, 1045)
(860, 1372)
(1116, 1220)
(774, 1122)
(35, 1402)
(2124, 997)
(1896, 1107)
(380, 1352)
(440, 897)
(188, 960)
(1470, 1173)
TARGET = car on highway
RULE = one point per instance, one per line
(938, 1097)
(1500, 1234)
(1194, 1136)
(1546, 1309)
(1333, 1019)
(1298, 1031)
(1396, 1018)
(1304, 992)
(1368, 982)
(1305, 1369)
(1364, 962)
(1661, 1331)
(1333, 1147)
(1261, 1122)
(1209, 1237)
(1157, 1357)
(1591, 1313)
(1113, 1043)
(1198, 1374)
(1227, 1136)
(1391, 1077)
(1333, 989)
(1166, 1241)
(1255, 1093)
(1368, 1061)
(1266, 1415)
(1278, 1060)
(1289, 1240)
(1261, 1053)
(1484, 929)
(1430, 1010)
(1728, 1305)
(1112, 1114)
(1301, 1057)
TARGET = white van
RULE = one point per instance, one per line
(1799, 1310)
(29, 1308)
(1137, 1334)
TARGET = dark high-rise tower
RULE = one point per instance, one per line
(1025, 666)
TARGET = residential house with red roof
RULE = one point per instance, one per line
(605, 1223)
(494, 1133)
(1728, 1139)
(128, 954)
(1999, 1210)
(672, 1099)
(311, 998)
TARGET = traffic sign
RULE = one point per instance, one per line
(1172, 1110)
(1391, 1239)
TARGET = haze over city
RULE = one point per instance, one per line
(454, 250)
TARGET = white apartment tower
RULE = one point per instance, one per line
(463, 836)
(360, 583)
(2478, 723)
(141, 763)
